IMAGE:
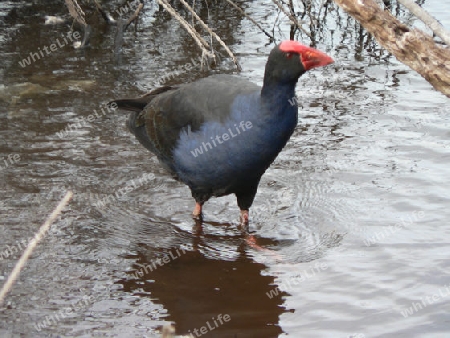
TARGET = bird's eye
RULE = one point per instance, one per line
(289, 55)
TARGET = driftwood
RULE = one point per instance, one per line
(411, 46)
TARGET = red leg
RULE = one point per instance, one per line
(244, 218)
(197, 213)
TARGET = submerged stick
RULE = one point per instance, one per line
(32, 245)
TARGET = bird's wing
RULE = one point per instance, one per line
(188, 107)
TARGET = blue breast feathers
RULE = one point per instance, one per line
(238, 148)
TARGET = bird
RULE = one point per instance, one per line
(218, 135)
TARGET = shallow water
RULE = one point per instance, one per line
(351, 222)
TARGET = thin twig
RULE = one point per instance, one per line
(32, 245)
(251, 19)
(292, 18)
(105, 15)
(135, 15)
(202, 44)
(429, 20)
(191, 30)
(205, 26)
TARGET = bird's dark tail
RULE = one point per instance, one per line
(136, 105)
(139, 103)
(136, 124)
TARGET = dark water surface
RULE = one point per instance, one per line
(351, 222)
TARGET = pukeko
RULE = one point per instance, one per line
(219, 134)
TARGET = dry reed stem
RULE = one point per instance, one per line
(32, 245)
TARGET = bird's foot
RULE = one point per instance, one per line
(252, 242)
(197, 213)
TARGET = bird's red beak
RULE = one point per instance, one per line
(310, 57)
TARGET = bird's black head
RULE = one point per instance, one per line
(290, 59)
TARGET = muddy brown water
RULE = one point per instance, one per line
(353, 217)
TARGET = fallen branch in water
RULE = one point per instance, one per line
(32, 245)
(411, 46)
